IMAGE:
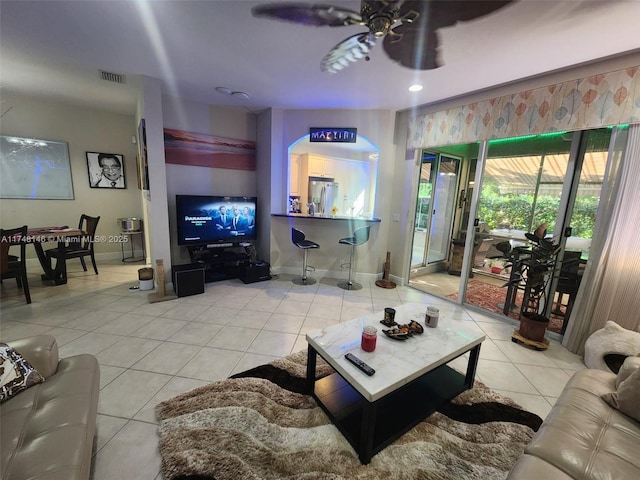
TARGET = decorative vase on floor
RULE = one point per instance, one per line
(533, 326)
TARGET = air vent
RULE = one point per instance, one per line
(112, 77)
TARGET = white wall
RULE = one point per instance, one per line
(377, 126)
(85, 130)
(196, 117)
(155, 199)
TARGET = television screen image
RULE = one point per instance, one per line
(207, 219)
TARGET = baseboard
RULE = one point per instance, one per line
(100, 257)
(323, 273)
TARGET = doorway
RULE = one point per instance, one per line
(435, 211)
(552, 181)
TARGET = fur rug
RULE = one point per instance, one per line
(259, 425)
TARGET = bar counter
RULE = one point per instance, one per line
(330, 257)
(327, 217)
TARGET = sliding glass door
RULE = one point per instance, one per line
(546, 184)
(435, 209)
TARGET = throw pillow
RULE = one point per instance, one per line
(627, 397)
(630, 365)
(16, 374)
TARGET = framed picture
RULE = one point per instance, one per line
(142, 145)
(106, 170)
(139, 175)
(34, 169)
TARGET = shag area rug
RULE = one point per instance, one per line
(260, 425)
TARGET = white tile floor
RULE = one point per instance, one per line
(151, 352)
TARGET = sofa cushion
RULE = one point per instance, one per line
(583, 437)
(47, 431)
(611, 339)
(41, 351)
(627, 396)
(630, 365)
(16, 373)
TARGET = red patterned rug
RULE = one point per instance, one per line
(491, 297)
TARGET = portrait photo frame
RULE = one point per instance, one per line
(106, 170)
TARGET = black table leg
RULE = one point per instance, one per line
(311, 369)
(57, 275)
(474, 354)
(367, 430)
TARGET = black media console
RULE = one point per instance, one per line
(228, 260)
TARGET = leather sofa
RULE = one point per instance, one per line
(583, 437)
(47, 431)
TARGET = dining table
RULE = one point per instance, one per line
(62, 236)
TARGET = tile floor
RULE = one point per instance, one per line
(151, 352)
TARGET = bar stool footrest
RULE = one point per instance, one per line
(303, 281)
(349, 285)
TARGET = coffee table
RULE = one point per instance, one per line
(412, 377)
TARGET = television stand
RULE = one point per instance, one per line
(221, 261)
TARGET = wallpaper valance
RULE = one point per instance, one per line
(600, 100)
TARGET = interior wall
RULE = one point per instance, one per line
(155, 199)
(84, 130)
(375, 125)
(197, 117)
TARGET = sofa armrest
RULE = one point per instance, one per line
(41, 351)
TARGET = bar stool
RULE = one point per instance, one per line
(360, 236)
(298, 239)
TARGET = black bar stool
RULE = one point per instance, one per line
(298, 239)
(360, 236)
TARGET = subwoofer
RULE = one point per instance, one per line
(188, 279)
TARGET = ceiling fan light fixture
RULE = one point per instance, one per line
(379, 25)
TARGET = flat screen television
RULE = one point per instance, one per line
(211, 220)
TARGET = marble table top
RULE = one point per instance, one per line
(396, 362)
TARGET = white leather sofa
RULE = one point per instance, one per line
(583, 437)
(47, 431)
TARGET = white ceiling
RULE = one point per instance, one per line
(56, 48)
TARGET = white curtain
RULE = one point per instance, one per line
(610, 287)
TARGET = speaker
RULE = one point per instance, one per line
(255, 273)
(188, 279)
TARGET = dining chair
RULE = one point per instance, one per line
(83, 247)
(12, 266)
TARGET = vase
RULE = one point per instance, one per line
(533, 326)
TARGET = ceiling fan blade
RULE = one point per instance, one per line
(413, 48)
(309, 14)
(415, 44)
(446, 13)
(347, 52)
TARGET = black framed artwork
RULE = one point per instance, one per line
(106, 170)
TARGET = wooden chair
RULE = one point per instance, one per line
(10, 265)
(82, 248)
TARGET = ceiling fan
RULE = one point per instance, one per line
(408, 29)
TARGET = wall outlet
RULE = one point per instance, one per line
(396, 217)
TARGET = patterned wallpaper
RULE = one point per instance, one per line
(606, 99)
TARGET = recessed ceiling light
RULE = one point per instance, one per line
(415, 88)
(240, 95)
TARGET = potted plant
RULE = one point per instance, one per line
(532, 269)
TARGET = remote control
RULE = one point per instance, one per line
(360, 364)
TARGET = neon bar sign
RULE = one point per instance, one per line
(333, 135)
